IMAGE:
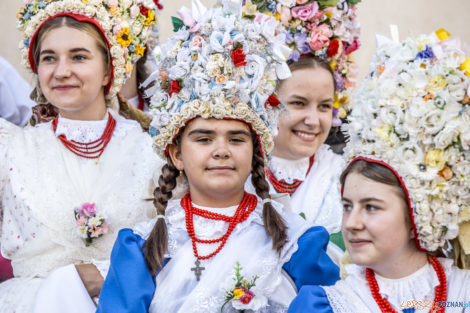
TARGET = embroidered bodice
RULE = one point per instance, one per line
(42, 182)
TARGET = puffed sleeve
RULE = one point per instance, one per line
(310, 265)
(129, 285)
(310, 299)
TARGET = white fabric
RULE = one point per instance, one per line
(134, 101)
(353, 294)
(42, 182)
(15, 104)
(289, 170)
(248, 244)
(63, 291)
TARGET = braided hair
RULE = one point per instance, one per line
(273, 222)
(157, 243)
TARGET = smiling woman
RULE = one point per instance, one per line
(73, 68)
(58, 180)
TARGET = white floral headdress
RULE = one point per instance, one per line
(125, 24)
(218, 65)
(413, 114)
(327, 29)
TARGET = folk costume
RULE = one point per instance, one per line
(330, 31)
(411, 116)
(217, 65)
(68, 186)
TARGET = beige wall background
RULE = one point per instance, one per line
(411, 16)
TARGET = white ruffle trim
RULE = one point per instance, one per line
(289, 170)
(88, 131)
(419, 285)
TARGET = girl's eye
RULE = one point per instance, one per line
(296, 103)
(237, 140)
(47, 58)
(371, 208)
(326, 106)
(202, 139)
(347, 207)
(79, 57)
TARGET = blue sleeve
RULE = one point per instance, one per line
(310, 265)
(129, 285)
(310, 299)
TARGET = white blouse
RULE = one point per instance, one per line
(41, 182)
(354, 295)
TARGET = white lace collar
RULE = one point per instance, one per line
(420, 285)
(289, 170)
(88, 131)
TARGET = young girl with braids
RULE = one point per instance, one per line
(218, 248)
(406, 190)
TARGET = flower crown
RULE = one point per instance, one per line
(218, 65)
(125, 24)
(326, 28)
(413, 114)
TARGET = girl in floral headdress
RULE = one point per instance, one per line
(322, 37)
(218, 248)
(406, 188)
(68, 186)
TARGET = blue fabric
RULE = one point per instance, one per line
(410, 310)
(128, 272)
(310, 265)
(310, 299)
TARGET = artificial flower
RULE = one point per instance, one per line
(124, 38)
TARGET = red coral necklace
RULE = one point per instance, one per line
(90, 150)
(281, 186)
(440, 292)
(247, 205)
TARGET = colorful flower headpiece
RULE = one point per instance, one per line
(125, 24)
(413, 114)
(218, 65)
(326, 28)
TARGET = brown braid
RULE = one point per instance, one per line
(273, 222)
(157, 243)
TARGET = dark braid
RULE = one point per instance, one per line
(157, 243)
(273, 222)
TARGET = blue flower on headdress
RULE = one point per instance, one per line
(26, 42)
(271, 6)
(153, 131)
(298, 45)
(425, 54)
(42, 4)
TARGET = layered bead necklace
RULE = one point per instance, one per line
(247, 205)
(283, 187)
(90, 150)
(440, 292)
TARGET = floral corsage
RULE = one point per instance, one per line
(241, 296)
(90, 225)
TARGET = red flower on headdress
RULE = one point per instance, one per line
(144, 11)
(157, 3)
(238, 57)
(333, 49)
(174, 87)
(272, 101)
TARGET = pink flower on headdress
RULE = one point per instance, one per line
(196, 42)
(353, 47)
(320, 36)
(285, 15)
(301, 1)
(305, 13)
(186, 16)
